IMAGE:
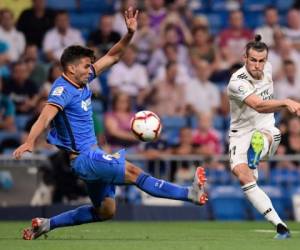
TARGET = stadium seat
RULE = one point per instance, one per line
(171, 128)
(253, 19)
(284, 5)
(68, 5)
(104, 6)
(276, 195)
(218, 176)
(285, 178)
(255, 5)
(217, 21)
(228, 203)
(21, 121)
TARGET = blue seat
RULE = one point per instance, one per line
(218, 176)
(84, 21)
(217, 20)
(284, 5)
(277, 197)
(68, 5)
(253, 19)
(103, 6)
(255, 5)
(228, 203)
(285, 178)
(171, 128)
(21, 121)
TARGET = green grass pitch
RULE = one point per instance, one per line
(154, 235)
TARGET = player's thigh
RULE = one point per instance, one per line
(275, 135)
(98, 165)
(238, 147)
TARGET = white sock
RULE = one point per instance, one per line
(261, 202)
(266, 147)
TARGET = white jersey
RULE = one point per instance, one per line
(243, 118)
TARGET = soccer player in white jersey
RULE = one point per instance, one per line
(253, 135)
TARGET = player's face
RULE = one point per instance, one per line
(255, 63)
(82, 70)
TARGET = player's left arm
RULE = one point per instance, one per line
(115, 53)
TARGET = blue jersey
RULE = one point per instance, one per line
(72, 128)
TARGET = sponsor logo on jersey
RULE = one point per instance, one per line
(58, 91)
(85, 104)
(242, 90)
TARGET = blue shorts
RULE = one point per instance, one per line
(100, 171)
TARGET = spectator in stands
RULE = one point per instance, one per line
(166, 53)
(167, 96)
(282, 50)
(54, 72)
(182, 172)
(129, 77)
(203, 47)
(207, 139)
(289, 85)
(4, 59)
(20, 89)
(174, 20)
(37, 69)
(292, 31)
(157, 13)
(60, 37)
(291, 140)
(201, 95)
(234, 39)
(271, 23)
(8, 33)
(35, 22)
(118, 22)
(144, 39)
(104, 37)
(7, 112)
(117, 124)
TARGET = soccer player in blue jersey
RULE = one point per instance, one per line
(69, 114)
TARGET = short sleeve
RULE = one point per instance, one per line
(59, 96)
(240, 89)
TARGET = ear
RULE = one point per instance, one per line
(245, 57)
(71, 68)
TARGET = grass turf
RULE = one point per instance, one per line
(154, 235)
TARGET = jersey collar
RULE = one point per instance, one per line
(70, 81)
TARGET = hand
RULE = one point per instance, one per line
(293, 107)
(131, 19)
(26, 147)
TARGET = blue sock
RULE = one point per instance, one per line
(80, 215)
(161, 188)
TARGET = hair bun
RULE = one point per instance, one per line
(257, 38)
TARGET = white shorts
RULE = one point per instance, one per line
(239, 145)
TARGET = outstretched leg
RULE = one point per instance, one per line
(164, 189)
(103, 208)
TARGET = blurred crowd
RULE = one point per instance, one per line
(178, 65)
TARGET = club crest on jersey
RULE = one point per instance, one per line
(58, 91)
(242, 90)
(85, 104)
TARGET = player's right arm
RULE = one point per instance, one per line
(270, 106)
(46, 116)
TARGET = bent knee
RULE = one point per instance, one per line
(131, 172)
(107, 209)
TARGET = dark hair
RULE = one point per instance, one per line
(74, 53)
(288, 62)
(257, 45)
